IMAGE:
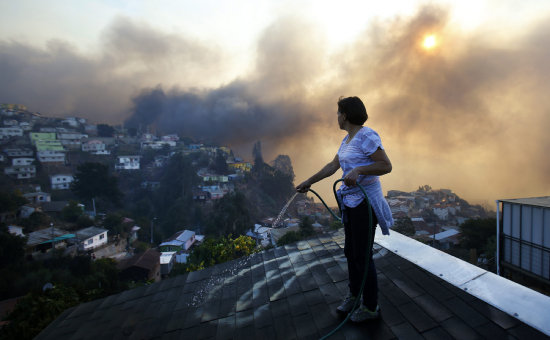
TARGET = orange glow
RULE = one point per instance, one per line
(429, 42)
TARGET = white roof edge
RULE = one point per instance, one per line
(525, 304)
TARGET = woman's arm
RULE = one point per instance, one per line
(381, 166)
(326, 171)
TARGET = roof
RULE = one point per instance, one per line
(40, 236)
(543, 201)
(444, 234)
(166, 257)
(86, 233)
(185, 235)
(148, 260)
(54, 206)
(291, 292)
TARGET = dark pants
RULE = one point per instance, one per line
(356, 227)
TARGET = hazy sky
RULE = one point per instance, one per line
(471, 113)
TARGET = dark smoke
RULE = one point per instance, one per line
(471, 115)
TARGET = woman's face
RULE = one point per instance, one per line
(340, 120)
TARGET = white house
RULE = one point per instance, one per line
(19, 152)
(127, 163)
(16, 230)
(26, 126)
(156, 145)
(182, 240)
(61, 181)
(7, 132)
(442, 213)
(38, 197)
(93, 145)
(167, 261)
(49, 156)
(22, 161)
(21, 172)
(91, 237)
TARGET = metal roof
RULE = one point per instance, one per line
(543, 201)
(86, 233)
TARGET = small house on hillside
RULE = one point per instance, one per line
(91, 237)
(182, 240)
(61, 181)
(141, 267)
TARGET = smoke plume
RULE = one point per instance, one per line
(471, 115)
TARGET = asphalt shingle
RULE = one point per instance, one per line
(289, 292)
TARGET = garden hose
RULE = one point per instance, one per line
(369, 249)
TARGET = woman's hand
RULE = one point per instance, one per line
(351, 178)
(303, 187)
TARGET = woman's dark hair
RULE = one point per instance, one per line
(354, 109)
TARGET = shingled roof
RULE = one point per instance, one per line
(289, 292)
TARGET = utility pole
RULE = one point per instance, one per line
(152, 222)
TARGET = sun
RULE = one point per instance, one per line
(429, 42)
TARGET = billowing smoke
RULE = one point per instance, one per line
(471, 115)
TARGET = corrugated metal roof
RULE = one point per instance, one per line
(543, 201)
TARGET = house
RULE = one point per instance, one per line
(141, 267)
(50, 156)
(45, 239)
(127, 163)
(38, 197)
(167, 260)
(201, 195)
(93, 145)
(54, 207)
(242, 166)
(21, 172)
(447, 238)
(22, 161)
(7, 132)
(19, 152)
(42, 136)
(16, 230)
(182, 240)
(157, 145)
(61, 182)
(91, 237)
(71, 139)
(523, 239)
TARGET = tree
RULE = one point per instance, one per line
(219, 250)
(11, 248)
(230, 215)
(219, 165)
(11, 201)
(258, 158)
(283, 164)
(404, 226)
(93, 180)
(288, 238)
(36, 310)
(72, 212)
(477, 233)
(306, 227)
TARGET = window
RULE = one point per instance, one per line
(102, 236)
(90, 241)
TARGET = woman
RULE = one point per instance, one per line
(362, 159)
